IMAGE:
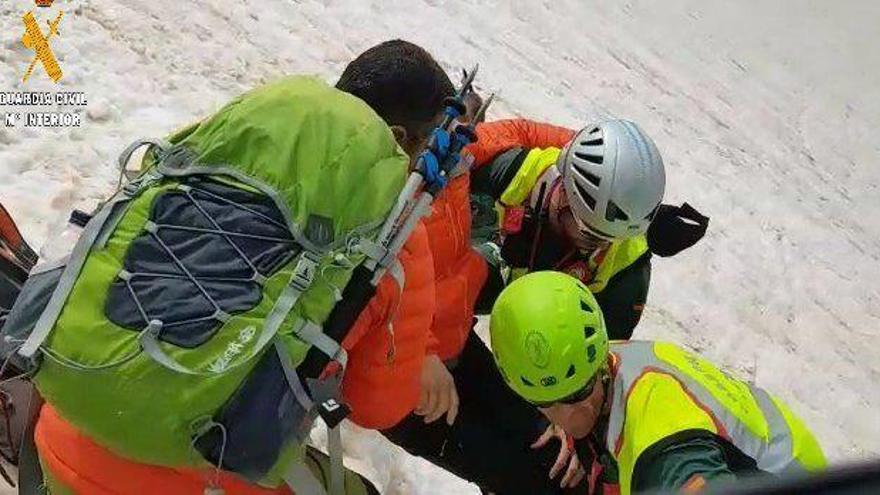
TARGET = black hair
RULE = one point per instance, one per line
(401, 82)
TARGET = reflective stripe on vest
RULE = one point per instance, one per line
(660, 389)
(537, 168)
(536, 162)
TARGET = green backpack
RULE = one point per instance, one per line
(201, 285)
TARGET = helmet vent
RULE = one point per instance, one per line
(597, 159)
(591, 353)
(571, 372)
(589, 332)
(586, 307)
(594, 141)
(593, 178)
(615, 213)
(526, 382)
(586, 196)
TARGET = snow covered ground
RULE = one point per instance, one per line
(764, 112)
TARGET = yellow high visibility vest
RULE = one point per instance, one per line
(660, 390)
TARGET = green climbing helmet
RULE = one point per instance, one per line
(548, 336)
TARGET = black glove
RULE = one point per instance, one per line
(676, 228)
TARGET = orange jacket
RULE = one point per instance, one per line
(460, 271)
(499, 136)
(75, 463)
(381, 385)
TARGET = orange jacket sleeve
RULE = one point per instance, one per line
(386, 347)
(501, 135)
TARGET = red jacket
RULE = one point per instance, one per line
(381, 385)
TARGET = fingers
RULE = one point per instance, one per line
(429, 404)
(447, 402)
(453, 405)
(561, 459)
(545, 437)
(439, 395)
(574, 474)
(441, 404)
(581, 474)
(433, 398)
(423, 401)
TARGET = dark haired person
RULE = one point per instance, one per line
(403, 84)
(488, 432)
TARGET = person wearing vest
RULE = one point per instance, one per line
(588, 204)
(466, 421)
(652, 414)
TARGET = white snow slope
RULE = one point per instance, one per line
(764, 111)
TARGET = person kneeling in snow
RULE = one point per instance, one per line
(652, 414)
(585, 203)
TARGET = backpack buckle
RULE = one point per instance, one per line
(305, 270)
(326, 394)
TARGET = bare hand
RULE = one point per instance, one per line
(439, 395)
(567, 458)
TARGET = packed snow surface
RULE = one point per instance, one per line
(766, 114)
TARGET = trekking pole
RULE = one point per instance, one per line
(442, 154)
(428, 166)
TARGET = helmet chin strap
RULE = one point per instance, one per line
(553, 201)
(550, 181)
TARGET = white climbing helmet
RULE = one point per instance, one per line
(614, 179)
